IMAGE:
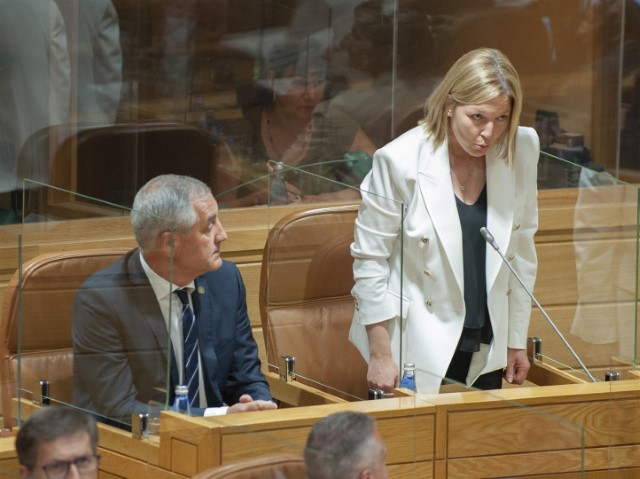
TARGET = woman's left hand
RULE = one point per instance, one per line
(517, 366)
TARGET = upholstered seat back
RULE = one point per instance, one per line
(280, 466)
(305, 299)
(49, 283)
(124, 156)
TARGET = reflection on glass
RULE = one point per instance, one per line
(93, 37)
(35, 87)
(587, 282)
(391, 53)
(605, 246)
(305, 83)
(62, 69)
(286, 121)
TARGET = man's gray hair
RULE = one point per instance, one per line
(51, 423)
(165, 203)
(339, 446)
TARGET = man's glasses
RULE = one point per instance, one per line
(59, 469)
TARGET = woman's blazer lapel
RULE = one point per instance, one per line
(434, 178)
(500, 202)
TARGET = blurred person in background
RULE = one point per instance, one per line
(289, 122)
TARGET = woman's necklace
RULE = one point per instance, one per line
(459, 180)
(270, 135)
(295, 150)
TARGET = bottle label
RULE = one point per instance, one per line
(181, 405)
(408, 382)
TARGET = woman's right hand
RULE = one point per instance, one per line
(382, 373)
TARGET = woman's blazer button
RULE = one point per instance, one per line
(428, 272)
(428, 302)
(516, 227)
(510, 258)
(424, 239)
(508, 291)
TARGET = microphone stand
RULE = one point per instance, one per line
(488, 237)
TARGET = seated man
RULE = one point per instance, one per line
(126, 315)
(345, 445)
(54, 440)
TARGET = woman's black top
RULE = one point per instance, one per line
(477, 326)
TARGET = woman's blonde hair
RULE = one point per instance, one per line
(476, 77)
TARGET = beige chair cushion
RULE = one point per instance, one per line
(305, 300)
(49, 283)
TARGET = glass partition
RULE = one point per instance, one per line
(297, 323)
(306, 299)
(93, 335)
(587, 328)
(587, 279)
(314, 327)
(11, 241)
(215, 89)
(228, 92)
(307, 304)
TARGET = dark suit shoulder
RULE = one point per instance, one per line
(124, 270)
(224, 273)
(227, 276)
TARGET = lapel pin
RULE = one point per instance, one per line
(201, 289)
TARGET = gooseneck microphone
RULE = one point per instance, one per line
(488, 237)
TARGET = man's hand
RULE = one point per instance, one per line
(247, 403)
(517, 366)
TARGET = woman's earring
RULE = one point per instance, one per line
(449, 112)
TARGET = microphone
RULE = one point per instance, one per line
(488, 237)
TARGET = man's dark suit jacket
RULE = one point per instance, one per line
(120, 341)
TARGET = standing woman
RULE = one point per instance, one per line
(428, 288)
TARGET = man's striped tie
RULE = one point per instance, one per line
(190, 349)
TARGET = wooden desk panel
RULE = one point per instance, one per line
(448, 436)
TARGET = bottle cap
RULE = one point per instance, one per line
(182, 389)
(409, 366)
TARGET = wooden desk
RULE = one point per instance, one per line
(8, 458)
(542, 432)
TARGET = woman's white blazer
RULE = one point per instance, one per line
(407, 252)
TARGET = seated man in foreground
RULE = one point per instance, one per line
(128, 318)
(345, 445)
(53, 440)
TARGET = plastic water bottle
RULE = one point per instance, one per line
(408, 380)
(278, 194)
(181, 401)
